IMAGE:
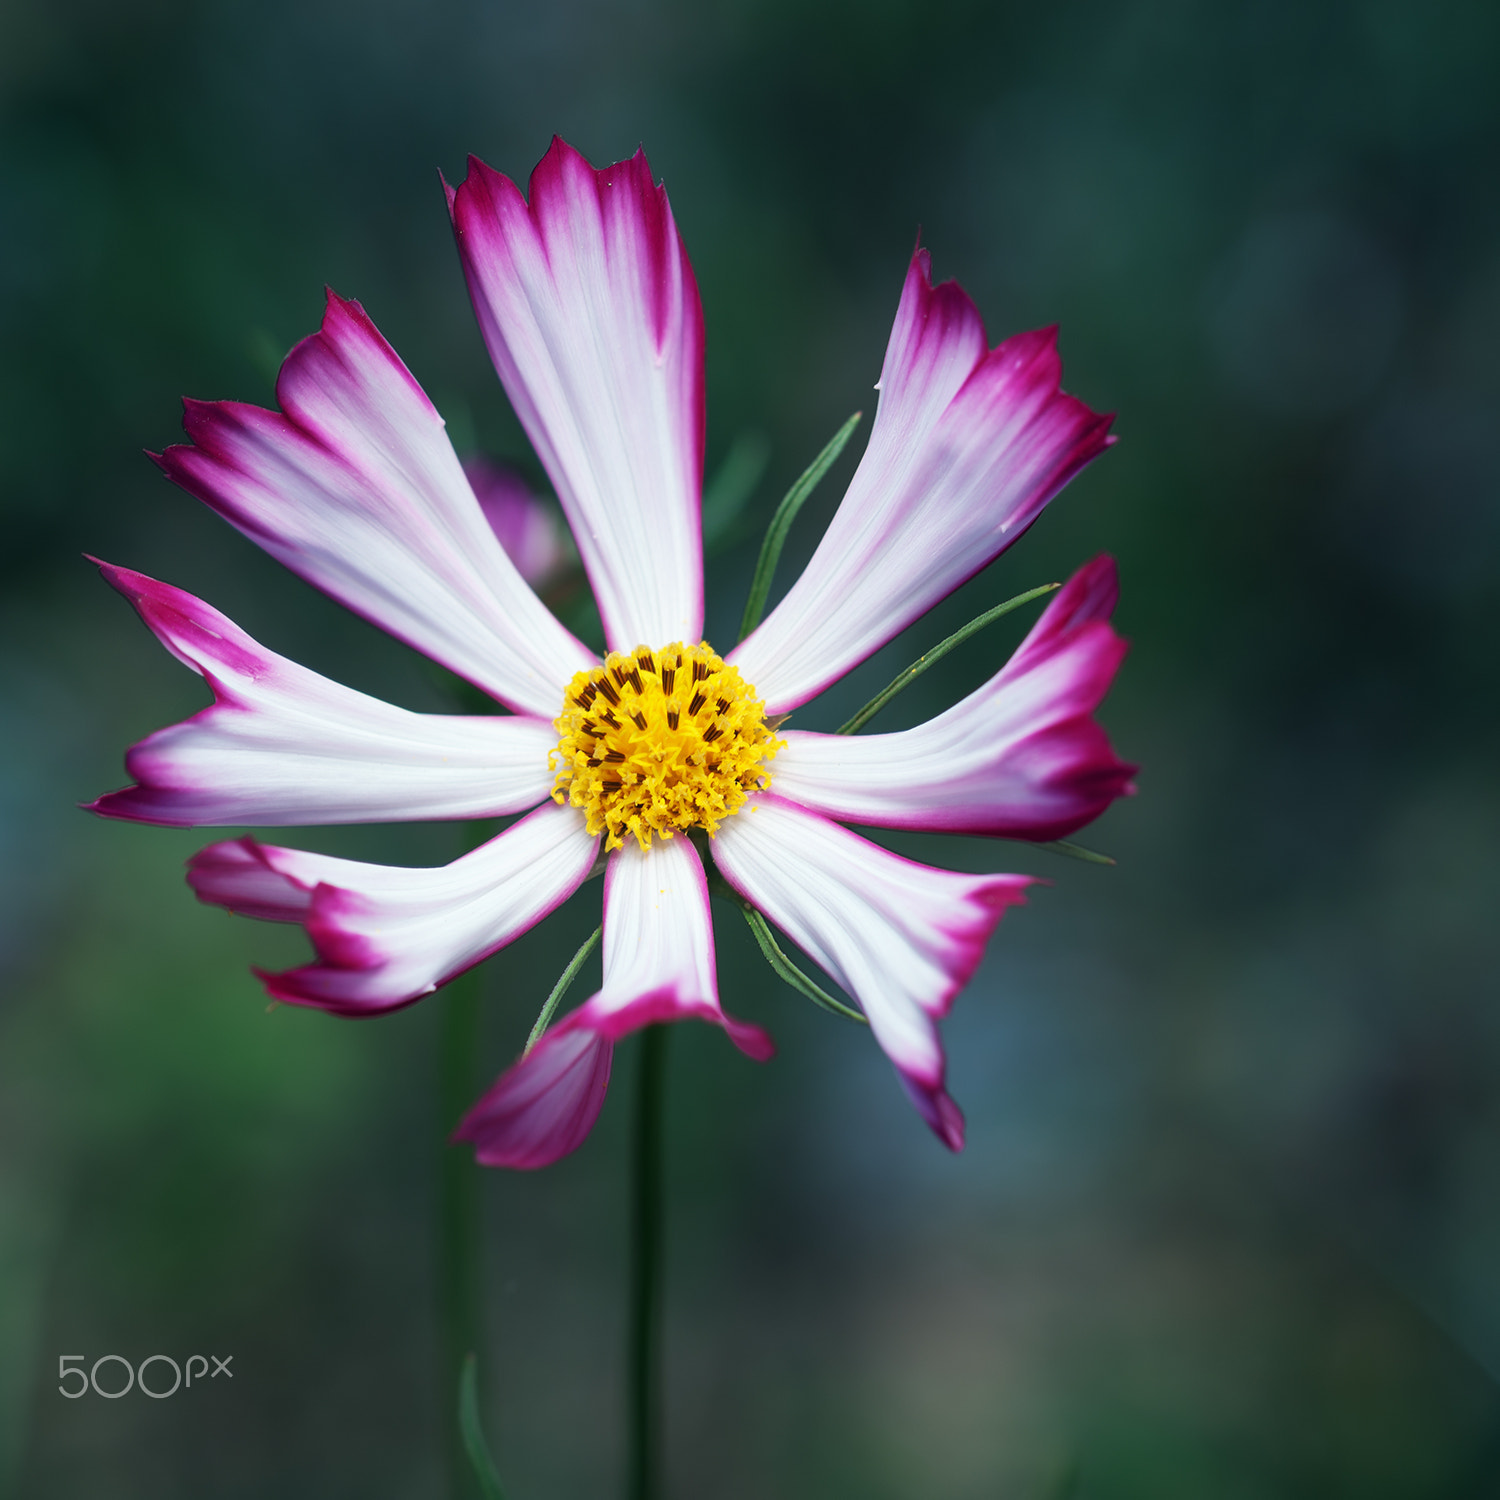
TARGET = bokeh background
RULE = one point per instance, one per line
(1228, 1223)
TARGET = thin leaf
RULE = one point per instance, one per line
(786, 970)
(733, 483)
(1077, 851)
(937, 653)
(561, 988)
(473, 1434)
(781, 524)
(783, 966)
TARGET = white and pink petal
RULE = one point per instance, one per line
(659, 947)
(658, 967)
(1022, 757)
(355, 486)
(900, 937)
(590, 310)
(386, 935)
(968, 445)
(282, 745)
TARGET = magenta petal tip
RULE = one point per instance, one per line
(543, 1106)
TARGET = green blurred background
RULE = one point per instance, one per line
(1228, 1222)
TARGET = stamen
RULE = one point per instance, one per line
(654, 776)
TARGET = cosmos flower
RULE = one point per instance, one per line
(588, 305)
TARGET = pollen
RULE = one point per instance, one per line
(655, 742)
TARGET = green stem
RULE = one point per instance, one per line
(458, 1221)
(937, 653)
(644, 1370)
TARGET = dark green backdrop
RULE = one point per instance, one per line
(1228, 1223)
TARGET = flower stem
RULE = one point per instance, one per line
(644, 1371)
(458, 1224)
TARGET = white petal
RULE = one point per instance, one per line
(900, 937)
(1020, 758)
(658, 967)
(386, 935)
(282, 745)
(591, 314)
(355, 486)
(966, 449)
(659, 946)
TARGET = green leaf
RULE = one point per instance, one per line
(783, 966)
(937, 653)
(785, 969)
(561, 988)
(473, 1434)
(733, 483)
(781, 524)
(1077, 851)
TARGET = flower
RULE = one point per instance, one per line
(588, 305)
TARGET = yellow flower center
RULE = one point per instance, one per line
(660, 741)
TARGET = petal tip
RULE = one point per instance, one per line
(933, 1102)
(118, 805)
(544, 1105)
